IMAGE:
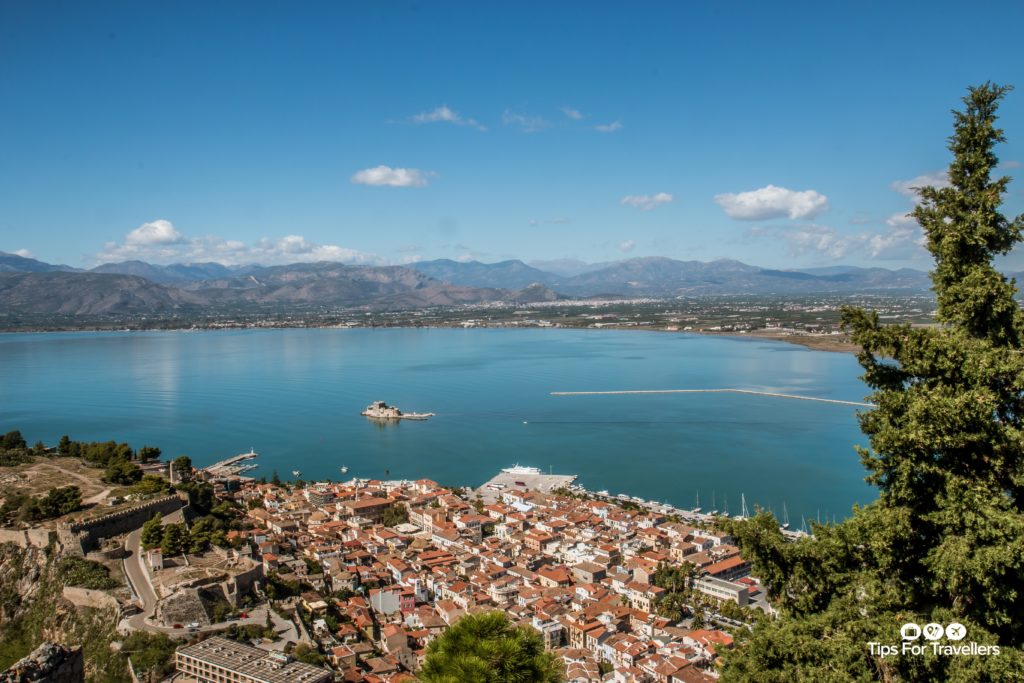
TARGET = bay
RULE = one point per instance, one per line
(295, 396)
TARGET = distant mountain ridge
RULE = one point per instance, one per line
(172, 274)
(29, 286)
(12, 263)
(657, 276)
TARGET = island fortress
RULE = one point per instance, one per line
(380, 410)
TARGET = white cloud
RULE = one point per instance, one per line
(527, 124)
(155, 232)
(903, 239)
(265, 251)
(571, 113)
(646, 202)
(627, 245)
(772, 202)
(23, 253)
(906, 187)
(444, 114)
(391, 177)
(608, 127)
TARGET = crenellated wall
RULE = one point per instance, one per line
(86, 535)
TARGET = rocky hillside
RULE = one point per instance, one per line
(33, 610)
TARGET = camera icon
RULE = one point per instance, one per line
(910, 631)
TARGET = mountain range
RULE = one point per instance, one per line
(664, 277)
(28, 286)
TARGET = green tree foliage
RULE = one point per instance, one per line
(200, 534)
(56, 503)
(200, 496)
(304, 653)
(945, 540)
(278, 588)
(183, 467)
(13, 449)
(152, 532)
(395, 515)
(488, 648)
(151, 484)
(13, 441)
(151, 653)
(148, 453)
(175, 539)
(120, 471)
(77, 571)
(60, 501)
(676, 581)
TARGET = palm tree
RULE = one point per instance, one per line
(487, 648)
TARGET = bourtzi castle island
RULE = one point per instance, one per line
(244, 580)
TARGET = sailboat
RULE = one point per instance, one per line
(785, 516)
(344, 469)
(743, 507)
(697, 507)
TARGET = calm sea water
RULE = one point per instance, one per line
(295, 396)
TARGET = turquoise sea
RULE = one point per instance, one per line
(295, 396)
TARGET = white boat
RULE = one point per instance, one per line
(296, 473)
(379, 410)
(344, 469)
(521, 469)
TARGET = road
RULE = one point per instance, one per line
(138, 575)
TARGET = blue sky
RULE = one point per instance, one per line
(780, 134)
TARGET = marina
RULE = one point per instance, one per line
(522, 478)
(233, 466)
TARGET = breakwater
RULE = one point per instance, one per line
(713, 391)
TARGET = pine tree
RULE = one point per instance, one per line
(487, 648)
(152, 532)
(945, 540)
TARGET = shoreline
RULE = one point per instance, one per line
(816, 342)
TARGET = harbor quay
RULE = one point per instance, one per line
(523, 479)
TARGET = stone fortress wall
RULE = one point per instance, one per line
(86, 536)
(27, 538)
